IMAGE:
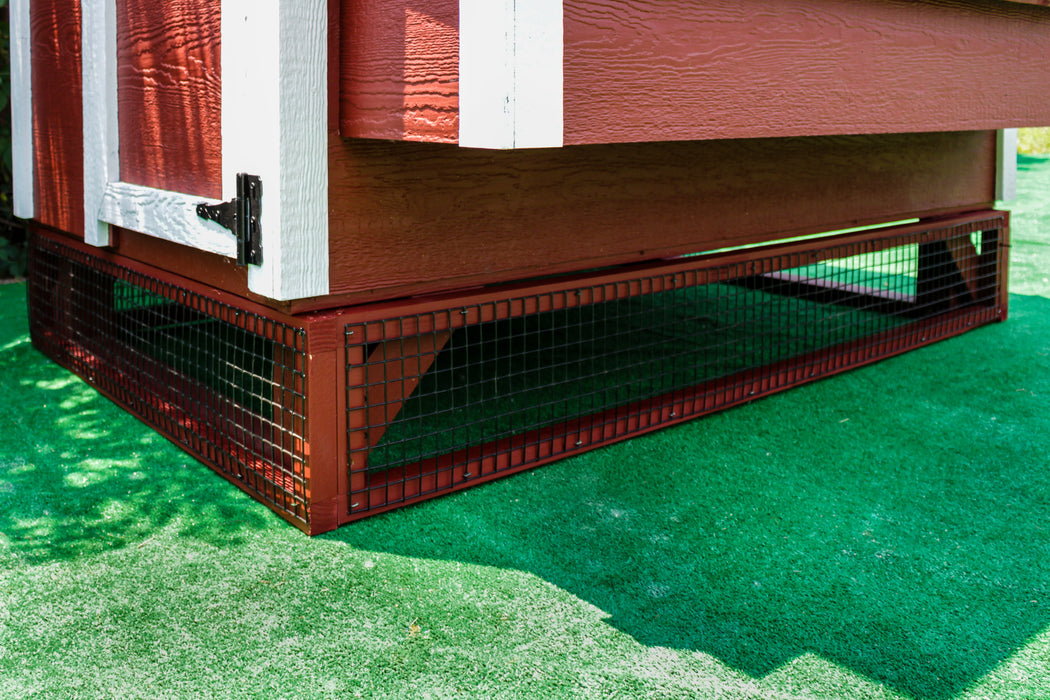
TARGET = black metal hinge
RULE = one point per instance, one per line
(243, 216)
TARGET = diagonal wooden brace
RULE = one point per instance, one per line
(392, 372)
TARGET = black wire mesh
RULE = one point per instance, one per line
(226, 384)
(440, 398)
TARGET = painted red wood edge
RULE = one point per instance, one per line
(410, 219)
(681, 70)
(169, 95)
(399, 70)
(419, 218)
(58, 115)
(395, 318)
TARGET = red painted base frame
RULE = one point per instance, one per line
(338, 421)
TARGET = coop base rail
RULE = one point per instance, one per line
(333, 416)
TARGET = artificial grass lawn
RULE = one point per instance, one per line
(881, 534)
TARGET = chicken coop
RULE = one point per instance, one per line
(354, 254)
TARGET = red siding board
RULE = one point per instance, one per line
(169, 94)
(680, 70)
(58, 122)
(400, 70)
(410, 218)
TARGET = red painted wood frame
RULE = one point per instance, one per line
(421, 327)
(337, 419)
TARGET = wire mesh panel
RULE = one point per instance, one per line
(226, 384)
(441, 393)
(443, 397)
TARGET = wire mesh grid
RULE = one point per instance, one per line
(226, 384)
(440, 399)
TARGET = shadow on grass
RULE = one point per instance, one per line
(99, 480)
(1026, 163)
(894, 521)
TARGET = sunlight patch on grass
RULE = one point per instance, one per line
(1034, 141)
(808, 671)
(24, 340)
(1024, 670)
(59, 383)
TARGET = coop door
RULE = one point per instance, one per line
(181, 97)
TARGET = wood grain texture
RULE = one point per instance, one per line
(169, 94)
(98, 42)
(411, 218)
(164, 214)
(58, 173)
(210, 269)
(399, 70)
(275, 126)
(640, 70)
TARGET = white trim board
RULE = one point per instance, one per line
(1006, 168)
(511, 80)
(22, 109)
(175, 214)
(274, 125)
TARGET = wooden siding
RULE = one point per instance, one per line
(635, 70)
(411, 218)
(399, 76)
(680, 70)
(169, 95)
(57, 114)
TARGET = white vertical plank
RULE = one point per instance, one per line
(1006, 171)
(21, 109)
(538, 74)
(274, 125)
(486, 73)
(511, 74)
(101, 147)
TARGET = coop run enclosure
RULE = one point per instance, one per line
(331, 416)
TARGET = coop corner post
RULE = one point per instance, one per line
(511, 74)
(101, 131)
(1006, 171)
(274, 125)
(22, 109)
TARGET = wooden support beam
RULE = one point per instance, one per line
(393, 372)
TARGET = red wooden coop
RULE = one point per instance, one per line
(353, 254)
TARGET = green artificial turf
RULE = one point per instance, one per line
(881, 534)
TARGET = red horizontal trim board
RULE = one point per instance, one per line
(637, 70)
(679, 69)
(419, 218)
